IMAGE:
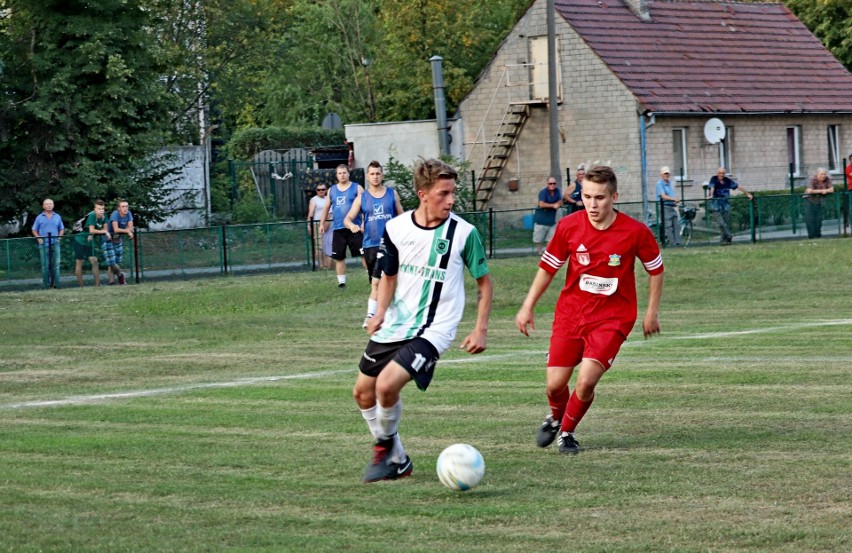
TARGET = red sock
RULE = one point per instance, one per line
(557, 402)
(574, 412)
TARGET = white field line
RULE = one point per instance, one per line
(81, 400)
(782, 328)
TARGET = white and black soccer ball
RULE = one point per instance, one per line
(460, 467)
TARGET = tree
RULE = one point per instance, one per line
(368, 60)
(831, 22)
(83, 106)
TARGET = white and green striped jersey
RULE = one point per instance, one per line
(429, 264)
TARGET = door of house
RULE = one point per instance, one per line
(538, 70)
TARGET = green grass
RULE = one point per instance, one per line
(728, 432)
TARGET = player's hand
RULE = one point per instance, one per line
(374, 324)
(474, 342)
(523, 319)
(651, 325)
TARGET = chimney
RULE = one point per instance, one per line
(640, 8)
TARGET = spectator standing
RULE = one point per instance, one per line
(597, 307)
(121, 225)
(47, 228)
(815, 192)
(846, 198)
(341, 197)
(544, 219)
(376, 206)
(84, 246)
(574, 193)
(421, 302)
(666, 196)
(321, 238)
(719, 194)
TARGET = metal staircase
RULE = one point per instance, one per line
(510, 127)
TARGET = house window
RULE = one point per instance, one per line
(679, 166)
(794, 149)
(835, 161)
(726, 150)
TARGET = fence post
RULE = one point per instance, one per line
(751, 219)
(50, 282)
(313, 233)
(137, 249)
(225, 248)
(491, 232)
(473, 187)
(661, 223)
(793, 198)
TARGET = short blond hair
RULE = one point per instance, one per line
(428, 171)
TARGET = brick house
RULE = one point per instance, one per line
(638, 80)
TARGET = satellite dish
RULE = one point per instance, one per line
(714, 130)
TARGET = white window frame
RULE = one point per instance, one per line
(797, 149)
(835, 159)
(683, 157)
(726, 150)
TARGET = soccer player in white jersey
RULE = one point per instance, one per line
(596, 309)
(421, 301)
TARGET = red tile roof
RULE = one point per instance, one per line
(717, 57)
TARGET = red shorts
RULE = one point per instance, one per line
(600, 344)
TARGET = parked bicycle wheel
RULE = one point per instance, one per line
(685, 232)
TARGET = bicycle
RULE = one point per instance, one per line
(687, 214)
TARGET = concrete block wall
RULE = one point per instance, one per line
(759, 148)
(598, 120)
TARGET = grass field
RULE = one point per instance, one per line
(216, 415)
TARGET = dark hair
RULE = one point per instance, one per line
(100, 203)
(427, 172)
(375, 163)
(602, 174)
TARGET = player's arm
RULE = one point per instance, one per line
(353, 212)
(397, 204)
(651, 324)
(387, 288)
(326, 208)
(475, 342)
(524, 317)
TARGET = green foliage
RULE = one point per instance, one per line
(368, 60)
(83, 107)
(401, 177)
(831, 22)
(247, 142)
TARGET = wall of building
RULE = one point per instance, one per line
(598, 120)
(406, 141)
(188, 193)
(759, 146)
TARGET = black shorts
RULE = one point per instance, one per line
(417, 356)
(373, 259)
(343, 238)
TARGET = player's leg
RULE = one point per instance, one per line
(364, 393)
(79, 256)
(338, 254)
(601, 347)
(564, 354)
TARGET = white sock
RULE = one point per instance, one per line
(372, 307)
(388, 420)
(341, 279)
(372, 423)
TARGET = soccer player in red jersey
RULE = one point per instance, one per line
(596, 309)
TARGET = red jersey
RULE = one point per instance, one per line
(849, 175)
(600, 284)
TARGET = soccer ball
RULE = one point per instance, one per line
(460, 467)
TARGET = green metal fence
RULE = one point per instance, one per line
(286, 246)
